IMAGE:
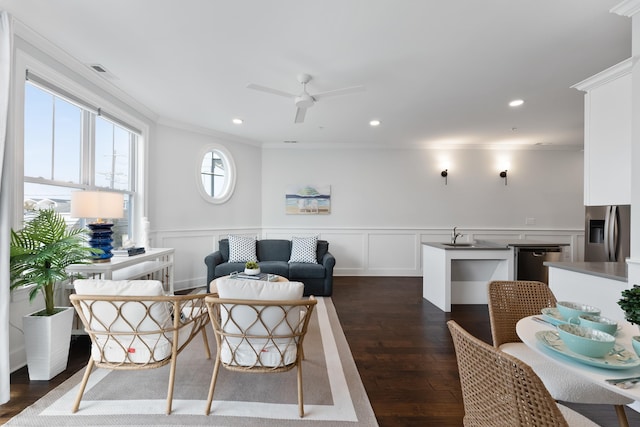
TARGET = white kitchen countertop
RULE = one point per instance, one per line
(609, 270)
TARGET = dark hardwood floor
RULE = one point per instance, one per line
(400, 344)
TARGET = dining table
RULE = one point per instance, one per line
(621, 363)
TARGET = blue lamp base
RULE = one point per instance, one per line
(101, 239)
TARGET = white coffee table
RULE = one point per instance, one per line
(213, 287)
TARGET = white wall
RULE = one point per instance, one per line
(403, 188)
(381, 199)
(385, 203)
(180, 217)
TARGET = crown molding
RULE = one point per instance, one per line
(33, 38)
(606, 76)
(205, 131)
(626, 8)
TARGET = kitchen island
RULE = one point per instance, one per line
(599, 284)
(458, 274)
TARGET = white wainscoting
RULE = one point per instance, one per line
(358, 252)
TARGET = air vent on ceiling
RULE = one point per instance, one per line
(102, 71)
(99, 68)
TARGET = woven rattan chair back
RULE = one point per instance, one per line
(499, 390)
(510, 301)
(259, 336)
(134, 332)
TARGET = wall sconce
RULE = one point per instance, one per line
(99, 205)
(503, 174)
(444, 174)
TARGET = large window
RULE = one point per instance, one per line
(70, 146)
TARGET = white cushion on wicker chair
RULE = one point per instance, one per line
(103, 315)
(562, 384)
(244, 318)
(574, 419)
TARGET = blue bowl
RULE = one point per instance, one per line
(569, 309)
(586, 341)
(600, 323)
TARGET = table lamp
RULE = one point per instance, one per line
(100, 205)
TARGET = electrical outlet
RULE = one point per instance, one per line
(530, 221)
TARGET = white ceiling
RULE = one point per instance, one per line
(436, 72)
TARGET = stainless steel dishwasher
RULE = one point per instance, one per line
(529, 262)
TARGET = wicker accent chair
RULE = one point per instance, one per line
(133, 325)
(499, 390)
(510, 301)
(259, 336)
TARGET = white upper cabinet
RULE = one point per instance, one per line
(607, 136)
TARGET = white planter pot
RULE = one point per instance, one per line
(252, 271)
(46, 341)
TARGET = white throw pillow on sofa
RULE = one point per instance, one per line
(242, 248)
(304, 249)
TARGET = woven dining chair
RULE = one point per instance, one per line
(510, 301)
(133, 325)
(259, 336)
(499, 390)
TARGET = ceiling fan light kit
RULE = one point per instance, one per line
(305, 100)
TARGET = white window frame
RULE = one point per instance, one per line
(24, 62)
(230, 177)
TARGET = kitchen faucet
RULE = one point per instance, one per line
(454, 235)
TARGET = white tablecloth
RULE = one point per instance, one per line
(526, 329)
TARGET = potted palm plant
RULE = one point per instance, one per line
(40, 253)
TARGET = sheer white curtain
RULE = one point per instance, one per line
(6, 39)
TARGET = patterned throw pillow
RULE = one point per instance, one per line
(242, 248)
(303, 249)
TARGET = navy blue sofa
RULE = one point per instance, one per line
(273, 257)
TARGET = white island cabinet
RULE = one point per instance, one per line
(599, 284)
(459, 275)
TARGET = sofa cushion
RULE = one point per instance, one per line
(304, 249)
(242, 248)
(323, 249)
(280, 268)
(227, 268)
(223, 247)
(273, 250)
(303, 270)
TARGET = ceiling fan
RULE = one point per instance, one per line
(304, 99)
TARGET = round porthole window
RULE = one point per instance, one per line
(216, 175)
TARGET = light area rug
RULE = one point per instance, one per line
(333, 392)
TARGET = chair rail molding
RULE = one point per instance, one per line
(358, 251)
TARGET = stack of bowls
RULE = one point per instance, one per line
(600, 323)
(586, 333)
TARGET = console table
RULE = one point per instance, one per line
(155, 264)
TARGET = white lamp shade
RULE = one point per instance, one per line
(97, 204)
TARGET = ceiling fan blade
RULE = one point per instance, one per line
(270, 90)
(337, 92)
(300, 113)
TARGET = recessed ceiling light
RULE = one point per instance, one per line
(516, 103)
(237, 121)
(374, 123)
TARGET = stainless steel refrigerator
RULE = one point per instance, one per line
(607, 233)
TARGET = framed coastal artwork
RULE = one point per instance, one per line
(308, 200)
